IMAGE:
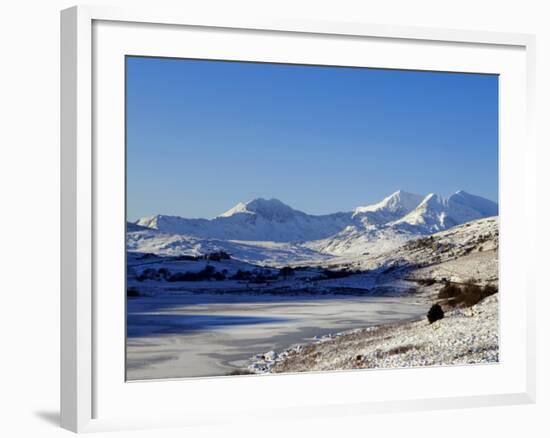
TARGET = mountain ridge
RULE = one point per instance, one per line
(267, 229)
(272, 220)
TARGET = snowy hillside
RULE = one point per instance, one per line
(161, 243)
(270, 232)
(466, 251)
(464, 336)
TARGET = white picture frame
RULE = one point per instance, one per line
(93, 396)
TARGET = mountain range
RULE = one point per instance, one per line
(272, 220)
(269, 229)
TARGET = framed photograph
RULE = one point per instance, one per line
(285, 217)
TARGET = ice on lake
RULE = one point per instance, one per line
(178, 335)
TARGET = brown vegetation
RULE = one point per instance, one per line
(465, 295)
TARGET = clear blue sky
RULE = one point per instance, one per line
(204, 135)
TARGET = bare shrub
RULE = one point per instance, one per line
(450, 291)
(489, 290)
(472, 294)
(466, 295)
(435, 313)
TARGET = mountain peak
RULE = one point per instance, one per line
(266, 203)
(267, 208)
(398, 202)
(399, 193)
(436, 213)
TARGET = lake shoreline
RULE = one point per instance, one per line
(473, 333)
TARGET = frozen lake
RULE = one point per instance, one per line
(198, 335)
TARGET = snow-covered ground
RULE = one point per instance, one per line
(152, 241)
(463, 336)
(463, 252)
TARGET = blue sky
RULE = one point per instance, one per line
(204, 135)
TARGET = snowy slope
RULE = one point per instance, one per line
(258, 252)
(460, 253)
(464, 336)
(362, 241)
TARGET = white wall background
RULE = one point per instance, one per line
(29, 215)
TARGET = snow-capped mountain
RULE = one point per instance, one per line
(257, 220)
(435, 213)
(259, 226)
(393, 207)
(271, 209)
(400, 217)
